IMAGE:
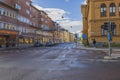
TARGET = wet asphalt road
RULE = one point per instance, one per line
(62, 62)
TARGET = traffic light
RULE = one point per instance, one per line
(106, 25)
(110, 26)
(76, 35)
(113, 26)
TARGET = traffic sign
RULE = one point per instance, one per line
(109, 37)
(84, 36)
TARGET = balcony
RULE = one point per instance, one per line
(50, 29)
(13, 6)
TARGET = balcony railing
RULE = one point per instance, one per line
(50, 29)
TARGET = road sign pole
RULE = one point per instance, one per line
(110, 39)
(110, 50)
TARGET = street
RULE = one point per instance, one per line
(62, 62)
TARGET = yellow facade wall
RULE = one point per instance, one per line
(93, 20)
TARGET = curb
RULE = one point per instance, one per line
(15, 48)
(92, 49)
(101, 60)
(98, 49)
(111, 58)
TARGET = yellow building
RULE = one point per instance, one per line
(66, 36)
(95, 14)
(72, 37)
(62, 36)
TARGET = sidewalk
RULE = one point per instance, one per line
(114, 56)
(17, 47)
(81, 46)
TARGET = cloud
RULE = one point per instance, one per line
(56, 15)
(84, 2)
(72, 26)
(67, 0)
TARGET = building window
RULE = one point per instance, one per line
(1, 25)
(112, 9)
(27, 3)
(103, 10)
(41, 13)
(46, 21)
(42, 19)
(27, 11)
(30, 15)
(1, 11)
(17, 6)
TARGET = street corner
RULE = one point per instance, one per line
(112, 58)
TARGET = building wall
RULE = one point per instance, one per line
(72, 37)
(95, 20)
(66, 36)
(23, 23)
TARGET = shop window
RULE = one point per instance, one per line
(112, 9)
(103, 10)
(31, 40)
(26, 41)
(21, 41)
(2, 40)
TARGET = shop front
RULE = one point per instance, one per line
(8, 38)
(25, 39)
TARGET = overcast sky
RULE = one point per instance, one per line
(70, 9)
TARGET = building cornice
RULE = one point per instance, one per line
(112, 19)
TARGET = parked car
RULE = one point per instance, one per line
(49, 43)
(38, 44)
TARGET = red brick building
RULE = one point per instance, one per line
(15, 23)
(46, 25)
(21, 23)
(8, 22)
